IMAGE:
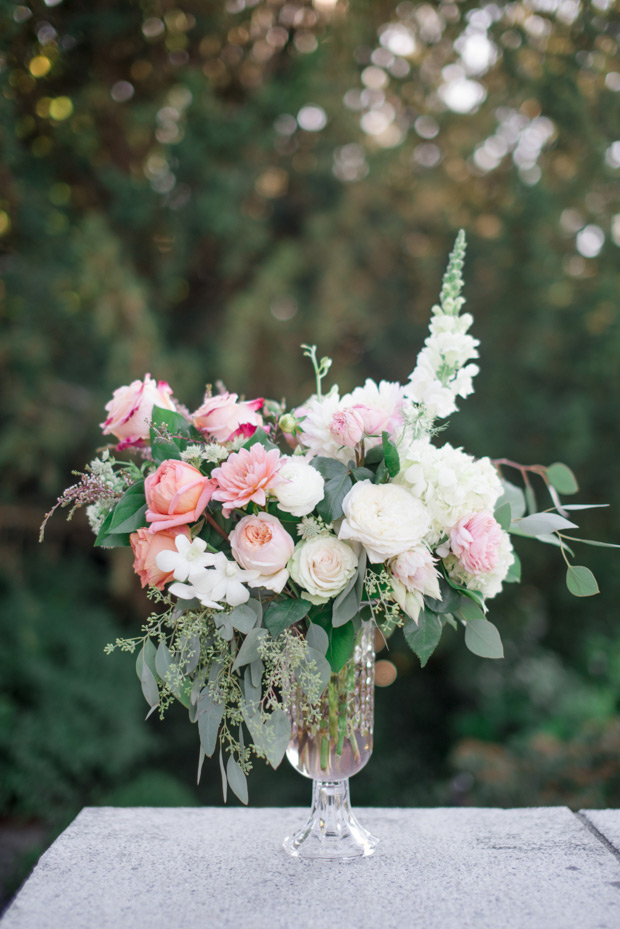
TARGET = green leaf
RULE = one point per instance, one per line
(147, 678)
(515, 497)
(423, 637)
(583, 506)
(279, 616)
(483, 639)
(224, 778)
(541, 524)
(106, 539)
(261, 437)
(374, 456)
(131, 503)
(329, 468)
(334, 492)
(322, 665)
(317, 638)
(347, 603)
(249, 648)
(580, 581)
(362, 474)
(169, 672)
(243, 618)
(174, 422)
(209, 715)
(503, 515)
(270, 735)
(530, 498)
(449, 598)
(390, 455)
(179, 428)
(562, 478)
(597, 544)
(237, 780)
(469, 610)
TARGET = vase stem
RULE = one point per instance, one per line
(332, 830)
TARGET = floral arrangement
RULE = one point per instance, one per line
(265, 537)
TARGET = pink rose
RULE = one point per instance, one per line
(347, 427)
(476, 540)
(131, 408)
(416, 571)
(223, 418)
(176, 494)
(146, 547)
(247, 475)
(261, 543)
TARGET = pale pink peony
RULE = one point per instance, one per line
(247, 475)
(261, 543)
(131, 408)
(146, 547)
(476, 541)
(416, 571)
(176, 494)
(223, 418)
(347, 427)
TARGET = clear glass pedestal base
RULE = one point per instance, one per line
(332, 830)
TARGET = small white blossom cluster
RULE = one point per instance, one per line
(213, 453)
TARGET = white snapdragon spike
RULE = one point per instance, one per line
(189, 560)
(383, 408)
(443, 371)
(450, 484)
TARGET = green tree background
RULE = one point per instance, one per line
(195, 189)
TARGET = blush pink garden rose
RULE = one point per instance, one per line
(261, 543)
(248, 474)
(131, 408)
(176, 494)
(146, 547)
(414, 577)
(347, 427)
(476, 541)
(223, 418)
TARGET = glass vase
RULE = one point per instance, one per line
(329, 743)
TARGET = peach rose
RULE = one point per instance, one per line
(223, 418)
(146, 547)
(131, 408)
(261, 543)
(176, 493)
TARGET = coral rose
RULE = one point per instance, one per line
(476, 541)
(261, 543)
(146, 547)
(223, 418)
(131, 408)
(176, 494)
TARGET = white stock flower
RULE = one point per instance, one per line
(449, 483)
(322, 567)
(385, 518)
(489, 584)
(301, 487)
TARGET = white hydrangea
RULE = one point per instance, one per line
(489, 584)
(450, 483)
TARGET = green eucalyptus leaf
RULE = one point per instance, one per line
(483, 639)
(147, 679)
(323, 668)
(580, 581)
(515, 497)
(347, 603)
(562, 478)
(243, 618)
(514, 571)
(362, 474)
(542, 524)
(334, 492)
(280, 615)
(237, 780)
(423, 637)
(256, 671)
(503, 515)
(530, 498)
(449, 598)
(224, 778)
(249, 648)
(317, 638)
(209, 714)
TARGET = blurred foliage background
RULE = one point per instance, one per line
(193, 188)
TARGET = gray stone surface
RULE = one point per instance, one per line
(607, 823)
(220, 868)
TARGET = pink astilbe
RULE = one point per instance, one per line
(247, 475)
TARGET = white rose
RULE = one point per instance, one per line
(385, 518)
(323, 567)
(300, 489)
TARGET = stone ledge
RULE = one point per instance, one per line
(213, 868)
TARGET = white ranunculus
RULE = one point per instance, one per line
(300, 489)
(322, 567)
(385, 518)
